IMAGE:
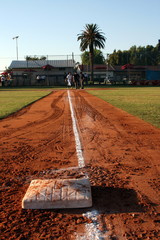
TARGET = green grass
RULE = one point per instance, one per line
(12, 101)
(142, 102)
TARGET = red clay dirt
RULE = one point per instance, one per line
(122, 159)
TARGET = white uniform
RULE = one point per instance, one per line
(69, 80)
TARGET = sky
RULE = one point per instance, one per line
(50, 27)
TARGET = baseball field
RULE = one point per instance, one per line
(119, 130)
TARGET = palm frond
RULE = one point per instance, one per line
(91, 36)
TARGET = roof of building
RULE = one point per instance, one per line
(104, 67)
(97, 67)
(41, 63)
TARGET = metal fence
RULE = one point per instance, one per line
(76, 58)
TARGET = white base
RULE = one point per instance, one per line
(58, 193)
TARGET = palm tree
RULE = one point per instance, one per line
(91, 38)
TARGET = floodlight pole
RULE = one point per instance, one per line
(16, 44)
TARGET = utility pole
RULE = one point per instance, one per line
(16, 44)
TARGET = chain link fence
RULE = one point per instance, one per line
(76, 58)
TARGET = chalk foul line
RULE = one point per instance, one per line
(79, 151)
(92, 231)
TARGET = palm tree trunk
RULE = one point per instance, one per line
(92, 64)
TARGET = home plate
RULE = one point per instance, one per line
(58, 193)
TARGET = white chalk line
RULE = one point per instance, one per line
(92, 231)
(81, 162)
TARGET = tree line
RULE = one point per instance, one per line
(142, 56)
(148, 55)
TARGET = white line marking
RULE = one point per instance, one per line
(92, 231)
(76, 135)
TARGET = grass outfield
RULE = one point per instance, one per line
(142, 102)
(12, 101)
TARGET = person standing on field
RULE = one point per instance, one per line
(76, 80)
(81, 80)
(69, 80)
(86, 78)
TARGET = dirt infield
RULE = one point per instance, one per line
(122, 159)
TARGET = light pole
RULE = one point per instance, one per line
(16, 44)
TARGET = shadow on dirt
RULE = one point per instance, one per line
(115, 200)
(109, 200)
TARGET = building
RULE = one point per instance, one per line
(139, 75)
(101, 72)
(40, 72)
(127, 74)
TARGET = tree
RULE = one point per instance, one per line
(28, 58)
(98, 57)
(91, 38)
(148, 55)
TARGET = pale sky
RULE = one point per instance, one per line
(50, 27)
